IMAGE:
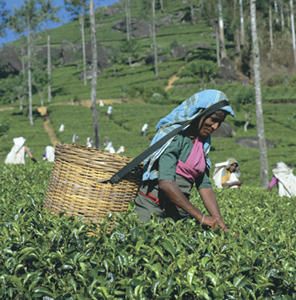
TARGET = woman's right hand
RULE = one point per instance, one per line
(214, 222)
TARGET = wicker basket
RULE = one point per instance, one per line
(79, 186)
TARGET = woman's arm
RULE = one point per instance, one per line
(174, 193)
(211, 204)
(272, 183)
(29, 154)
(238, 182)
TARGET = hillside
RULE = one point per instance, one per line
(181, 42)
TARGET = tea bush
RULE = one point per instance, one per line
(44, 256)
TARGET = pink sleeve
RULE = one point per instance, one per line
(273, 182)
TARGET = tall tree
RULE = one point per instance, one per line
(49, 14)
(258, 97)
(236, 30)
(217, 45)
(210, 12)
(78, 8)
(154, 38)
(148, 13)
(3, 18)
(27, 18)
(221, 30)
(242, 26)
(276, 12)
(162, 6)
(270, 25)
(94, 75)
(128, 21)
(39, 80)
(282, 14)
(293, 31)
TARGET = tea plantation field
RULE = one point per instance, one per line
(43, 256)
(125, 124)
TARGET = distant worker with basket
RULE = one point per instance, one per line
(171, 171)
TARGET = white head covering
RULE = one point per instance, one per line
(49, 150)
(109, 110)
(17, 152)
(145, 126)
(286, 178)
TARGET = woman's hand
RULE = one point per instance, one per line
(214, 222)
(229, 184)
(239, 182)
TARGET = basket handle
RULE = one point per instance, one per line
(127, 168)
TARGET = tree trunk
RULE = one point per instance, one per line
(192, 12)
(236, 33)
(258, 99)
(23, 61)
(81, 20)
(276, 12)
(289, 17)
(21, 102)
(29, 73)
(270, 26)
(94, 75)
(282, 14)
(161, 6)
(221, 30)
(293, 31)
(128, 20)
(217, 46)
(24, 73)
(48, 68)
(154, 38)
(242, 26)
(41, 98)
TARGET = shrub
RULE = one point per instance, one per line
(205, 70)
(151, 94)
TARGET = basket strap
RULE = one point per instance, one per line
(127, 168)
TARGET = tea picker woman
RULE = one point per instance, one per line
(285, 180)
(226, 174)
(18, 152)
(171, 171)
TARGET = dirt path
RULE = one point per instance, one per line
(50, 131)
(6, 108)
(172, 79)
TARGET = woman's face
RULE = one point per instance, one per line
(232, 168)
(209, 124)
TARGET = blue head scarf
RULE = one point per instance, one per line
(188, 110)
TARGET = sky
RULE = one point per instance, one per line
(64, 15)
